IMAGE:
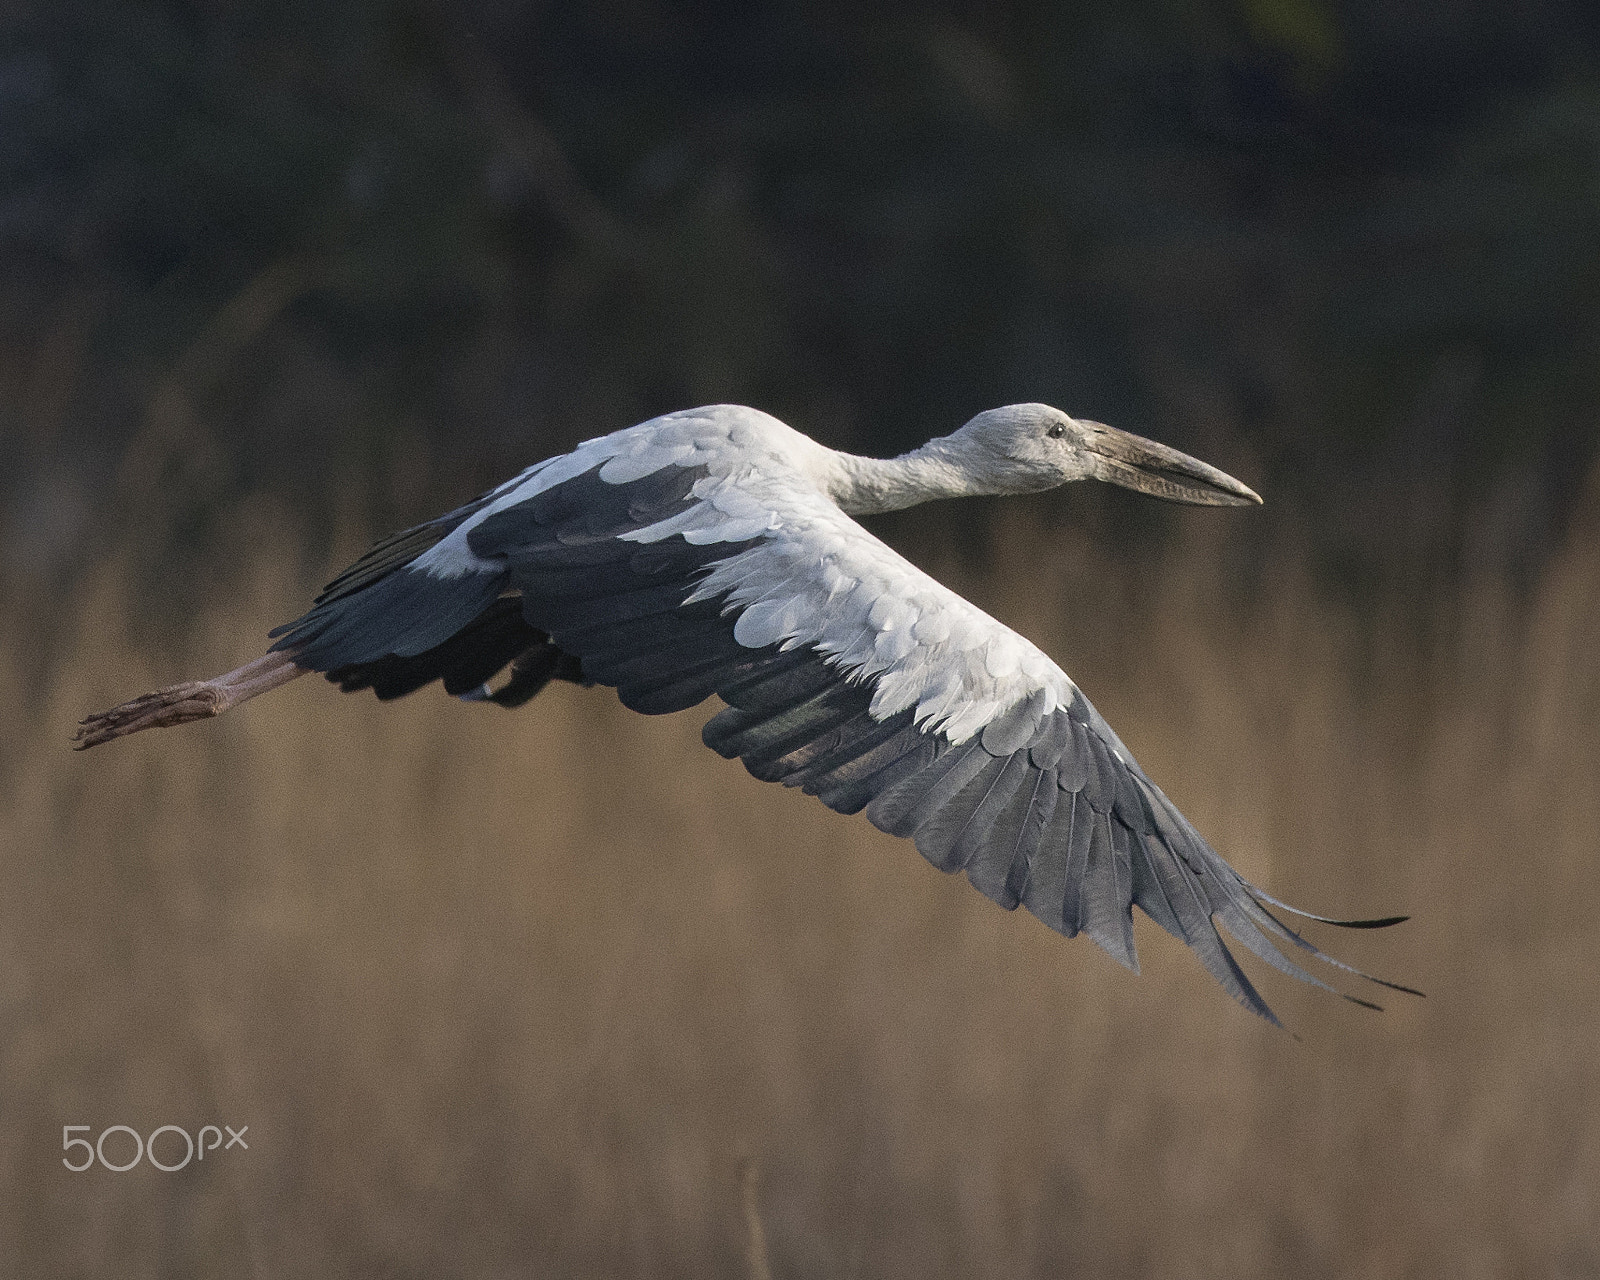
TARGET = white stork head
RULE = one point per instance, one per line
(1024, 448)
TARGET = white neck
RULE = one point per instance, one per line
(870, 486)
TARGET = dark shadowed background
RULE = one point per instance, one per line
(560, 992)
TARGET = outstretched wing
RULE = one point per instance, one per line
(693, 556)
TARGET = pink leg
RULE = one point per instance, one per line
(192, 700)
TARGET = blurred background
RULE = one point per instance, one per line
(560, 992)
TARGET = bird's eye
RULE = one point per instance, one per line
(1057, 431)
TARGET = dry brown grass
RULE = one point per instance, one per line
(541, 994)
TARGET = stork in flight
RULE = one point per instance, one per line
(712, 551)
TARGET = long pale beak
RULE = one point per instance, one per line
(1147, 467)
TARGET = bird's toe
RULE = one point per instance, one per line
(177, 704)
